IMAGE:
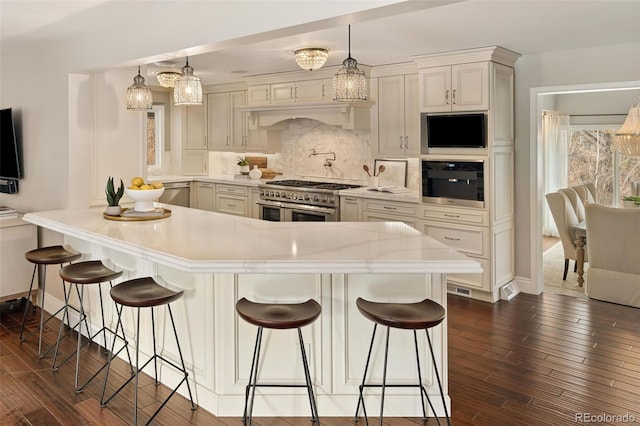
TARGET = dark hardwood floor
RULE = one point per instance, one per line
(534, 360)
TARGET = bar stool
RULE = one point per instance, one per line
(41, 257)
(408, 316)
(80, 275)
(277, 316)
(146, 293)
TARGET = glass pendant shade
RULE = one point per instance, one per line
(139, 97)
(311, 58)
(349, 83)
(627, 139)
(188, 88)
(168, 78)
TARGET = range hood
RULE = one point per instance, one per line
(347, 115)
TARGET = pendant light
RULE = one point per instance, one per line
(627, 139)
(311, 58)
(139, 97)
(168, 78)
(349, 83)
(187, 89)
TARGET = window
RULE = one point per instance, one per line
(592, 159)
(155, 137)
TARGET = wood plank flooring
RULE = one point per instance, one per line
(534, 360)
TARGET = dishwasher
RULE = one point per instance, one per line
(176, 193)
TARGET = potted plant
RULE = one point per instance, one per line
(630, 201)
(244, 165)
(113, 197)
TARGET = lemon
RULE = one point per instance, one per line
(145, 187)
(156, 185)
(137, 181)
(134, 187)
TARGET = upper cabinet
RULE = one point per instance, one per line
(398, 116)
(194, 132)
(463, 87)
(307, 91)
(259, 94)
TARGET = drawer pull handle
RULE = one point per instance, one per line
(453, 180)
(451, 215)
(451, 238)
(230, 205)
(388, 208)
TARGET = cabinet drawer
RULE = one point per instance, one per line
(393, 208)
(467, 239)
(381, 217)
(232, 189)
(230, 204)
(479, 281)
(206, 184)
(478, 217)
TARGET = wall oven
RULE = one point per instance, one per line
(459, 183)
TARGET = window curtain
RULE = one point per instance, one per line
(555, 131)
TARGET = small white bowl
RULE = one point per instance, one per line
(144, 198)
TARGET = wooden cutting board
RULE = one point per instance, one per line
(261, 162)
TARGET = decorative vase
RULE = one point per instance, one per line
(244, 169)
(113, 210)
(372, 182)
(255, 173)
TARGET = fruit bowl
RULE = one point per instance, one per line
(144, 198)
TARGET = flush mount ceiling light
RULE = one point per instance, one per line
(627, 139)
(139, 97)
(188, 88)
(349, 83)
(311, 58)
(167, 78)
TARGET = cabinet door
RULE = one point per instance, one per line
(435, 89)
(411, 115)
(254, 208)
(194, 161)
(381, 217)
(218, 121)
(231, 204)
(391, 115)
(194, 129)
(259, 95)
(308, 91)
(350, 209)
(282, 93)
(205, 196)
(470, 87)
(239, 123)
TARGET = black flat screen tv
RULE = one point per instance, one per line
(453, 131)
(9, 149)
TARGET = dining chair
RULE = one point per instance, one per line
(565, 218)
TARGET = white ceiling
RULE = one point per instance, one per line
(524, 26)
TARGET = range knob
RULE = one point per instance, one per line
(306, 197)
(316, 198)
(271, 193)
(324, 199)
(332, 200)
(294, 196)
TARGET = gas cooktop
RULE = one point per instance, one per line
(312, 184)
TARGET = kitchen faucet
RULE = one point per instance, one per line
(327, 161)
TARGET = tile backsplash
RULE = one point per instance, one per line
(300, 138)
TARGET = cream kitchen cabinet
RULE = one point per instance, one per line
(194, 131)
(225, 125)
(232, 199)
(195, 162)
(398, 115)
(350, 209)
(259, 94)
(254, 208)
(205, 196)
(390, 211)
(297, 91)
(453, 88)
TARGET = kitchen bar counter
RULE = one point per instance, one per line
(217, 259)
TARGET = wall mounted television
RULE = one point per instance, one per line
(453, 130)
(10, 153)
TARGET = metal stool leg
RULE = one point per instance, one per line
(312, 399)
(254, 379)
(433, 358)
(253, 366)
(384, 374)
(26, 306)
(423, 391)
(364, 377)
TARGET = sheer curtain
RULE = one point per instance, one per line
(555, 130)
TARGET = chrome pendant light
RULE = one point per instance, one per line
(349, 83)
(627, 139)
(188, 88)
(139, 97)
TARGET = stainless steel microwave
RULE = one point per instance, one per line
(458, 183)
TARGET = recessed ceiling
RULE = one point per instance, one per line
(525, 26)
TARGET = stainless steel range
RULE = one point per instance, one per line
(300, 201)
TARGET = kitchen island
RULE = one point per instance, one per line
(217, 259)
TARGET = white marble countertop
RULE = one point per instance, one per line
(200, 241)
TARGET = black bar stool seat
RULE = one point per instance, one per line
(146, 293)
(414, 316)
(279, 316)
(80, 275)
(41, 257)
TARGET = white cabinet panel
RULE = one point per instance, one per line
(467, 239)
